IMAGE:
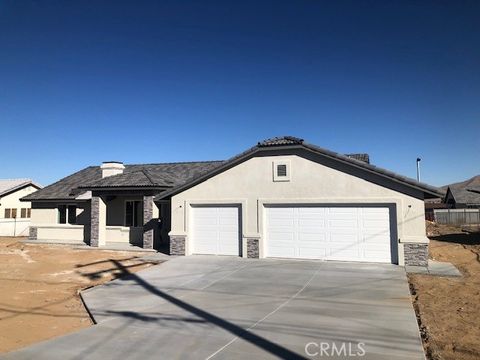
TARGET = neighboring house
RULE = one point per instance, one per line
(457, 198)
(475, 189)
(463, 195)
(431, 205)
(15, 214)
(281, 198)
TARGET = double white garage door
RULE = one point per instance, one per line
(359, 233)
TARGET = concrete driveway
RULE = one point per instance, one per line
(207, 307)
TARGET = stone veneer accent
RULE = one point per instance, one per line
(147, 222)
(94, 221)
(416, 254)
(177, 245)
(253, 249)
(32, 233)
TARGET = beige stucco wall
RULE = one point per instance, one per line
(12, 201)
(61, 232)
(45, 218)
(124, 234)
(47, 212)
(251, 185)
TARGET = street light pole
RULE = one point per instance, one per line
(418, 168)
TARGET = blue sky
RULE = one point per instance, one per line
(136, 81)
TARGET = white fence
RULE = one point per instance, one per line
(457, 216)
(14, 227)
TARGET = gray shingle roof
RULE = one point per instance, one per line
(432, 190)
(179, 176)
(280, 142)
(138, 175)
(465, 196)
(360, 157)
(9, 185)
(473, 182)
(154, 175)
(474, 189)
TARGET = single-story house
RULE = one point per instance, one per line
(14, 214)
(462, 198)
(281, 198)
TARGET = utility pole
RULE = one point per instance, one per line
(418, 168)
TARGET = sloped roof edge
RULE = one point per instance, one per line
(427, 189)
(17, 184)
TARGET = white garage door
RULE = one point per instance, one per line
(330, 233)
(215, 230)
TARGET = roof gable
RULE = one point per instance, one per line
(291, 145)
(8, 186)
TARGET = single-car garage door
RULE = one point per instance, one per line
(332, 233)
(215, 230)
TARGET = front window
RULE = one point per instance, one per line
(25, 213)
(67, 214)
(10, 213)
(133, 213)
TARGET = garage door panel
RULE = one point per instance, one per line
(276, 222)
(227, 221)
(340, 210)
(333, 233)
(312, 237)
(282, 212)
(311, 211)
(312, 222)
(342, 223)
(215, 230)
(283, 251)
(378, 225)
(282, 236)
(311, 253)
(375, 210)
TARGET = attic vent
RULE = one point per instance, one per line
(281, 171)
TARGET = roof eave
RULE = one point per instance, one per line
(19, 187)
(53, 199)
(427, 192)
(365, 166)
(106, 188)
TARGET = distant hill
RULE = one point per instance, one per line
(474, 182)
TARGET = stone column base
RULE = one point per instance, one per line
(253, 251)
(94, 221)
(32, 233)
(416, 254)
(148, 222)
(177, 245)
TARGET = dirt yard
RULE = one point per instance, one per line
(449, 308)
(39, 287)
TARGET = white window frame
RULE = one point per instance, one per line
(277, 178)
